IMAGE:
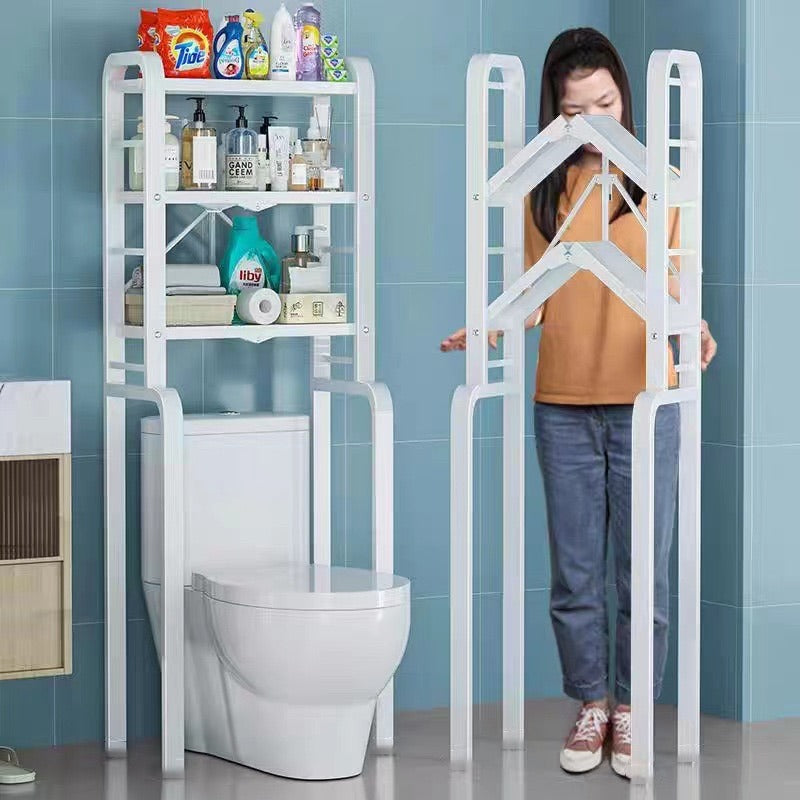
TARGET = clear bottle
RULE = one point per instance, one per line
(241, 156)
(198, 152)
(172, 158)
(298, 171)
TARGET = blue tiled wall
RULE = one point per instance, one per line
(771, 642)
(717, 33)
(50, 324)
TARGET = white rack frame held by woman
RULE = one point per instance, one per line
(646, 292)
(152, 370)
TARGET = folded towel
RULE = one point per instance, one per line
(176, 291)
(206, 275)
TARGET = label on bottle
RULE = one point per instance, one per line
(299, 175)
(248, 274)
(241, 172)
(204, 160)
(172, 158)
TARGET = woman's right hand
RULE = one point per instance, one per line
(458, 340)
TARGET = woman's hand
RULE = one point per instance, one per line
(708, 346)
(458, 340)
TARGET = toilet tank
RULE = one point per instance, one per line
(246, 491)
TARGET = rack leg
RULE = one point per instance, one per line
(514, 551)
(172, 589)
(115, 634)
(689, 583)
(461, 484)
(383, 542)
(642, 588)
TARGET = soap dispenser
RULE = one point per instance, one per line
(241, 156)
(172, 158)
(295, 276)
(198, 152)
(264, 177)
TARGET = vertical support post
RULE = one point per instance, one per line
(364, 234)
(514, 442)
(642, 586)
(606, 190)
(321, 403)
(462, 425)
(114, 411)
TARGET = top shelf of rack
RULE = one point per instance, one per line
(242, 88)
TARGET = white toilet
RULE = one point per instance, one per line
(284, 660)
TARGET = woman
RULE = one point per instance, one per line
(591, 367)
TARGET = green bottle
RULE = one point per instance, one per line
(249, 262)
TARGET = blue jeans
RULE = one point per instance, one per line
(585, 459)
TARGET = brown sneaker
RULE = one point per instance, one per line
(583, 750)
(621, 738)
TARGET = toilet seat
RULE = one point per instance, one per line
(303, 587)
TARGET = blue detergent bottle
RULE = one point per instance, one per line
(228, 50)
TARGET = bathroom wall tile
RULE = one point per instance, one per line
(537, 559)
(428, 245)
(542, 667)
(775, 384)
(26, 712)
(26, 328)
(25, 204)
(714, 34)
(87, 540)
(79, 358)
(339, 509)
(236, 376)
(723, 219)
(79, 697)
(722, 382)
(101, 28)
(774, 179)
(413, 320)
(359, 506)
(26, 93)
(504, 31)
(422, 525)
(775, 509)
(77, 210)
(721, 525)
(423, 679)
(720, 660)
(185, 369)
(773, 44)
(774, 651)
(136, 608)
(144, 683)
(429, 85)
(627, 34)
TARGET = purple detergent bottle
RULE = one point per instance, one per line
(307, 22)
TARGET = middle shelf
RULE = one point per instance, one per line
(250, 333)
(254, 201)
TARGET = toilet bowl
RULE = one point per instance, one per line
(284, 659)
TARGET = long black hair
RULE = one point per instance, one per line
(581, 49)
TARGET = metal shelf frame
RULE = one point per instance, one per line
(647, 293)
(152, 370)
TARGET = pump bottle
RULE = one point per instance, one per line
(241, 156)
(198, 152)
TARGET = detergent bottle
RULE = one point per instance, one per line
(256, 56)
(249, 261)
(228, 49)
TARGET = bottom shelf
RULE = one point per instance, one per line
(249, 333)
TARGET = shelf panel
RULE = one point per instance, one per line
(255, 201)
(243, 88)
(249, 333)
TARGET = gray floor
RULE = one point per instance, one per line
(739, 763)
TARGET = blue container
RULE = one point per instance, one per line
(228, 50)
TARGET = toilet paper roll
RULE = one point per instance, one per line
(258, 306)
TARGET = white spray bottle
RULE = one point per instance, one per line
(283, 47)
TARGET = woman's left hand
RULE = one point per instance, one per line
(708, 345)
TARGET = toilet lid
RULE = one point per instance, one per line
(303, 586)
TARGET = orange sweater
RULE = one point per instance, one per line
(592, 349)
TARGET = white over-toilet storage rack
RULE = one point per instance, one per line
(646, 292)
(121, 383)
